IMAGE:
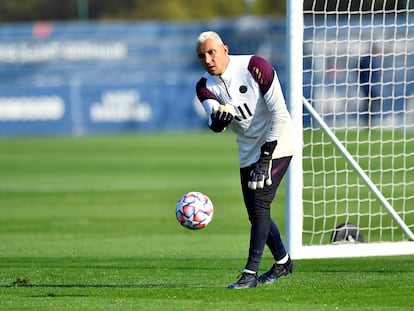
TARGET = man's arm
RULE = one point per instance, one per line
(220, 115)
(267, 79)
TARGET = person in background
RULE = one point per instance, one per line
(370, 84)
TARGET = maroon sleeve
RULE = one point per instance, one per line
(203, 92)
(262, 72)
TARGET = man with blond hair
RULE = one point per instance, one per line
(243, 93)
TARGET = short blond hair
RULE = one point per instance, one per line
(208, 35)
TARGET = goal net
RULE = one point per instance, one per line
(358, 129)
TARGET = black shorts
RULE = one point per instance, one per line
(258, 201)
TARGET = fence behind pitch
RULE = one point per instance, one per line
(80, 78)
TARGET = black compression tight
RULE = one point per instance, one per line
(264, 230)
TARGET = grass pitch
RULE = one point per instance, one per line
(89, 224)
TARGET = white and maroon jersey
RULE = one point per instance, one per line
(251, 85)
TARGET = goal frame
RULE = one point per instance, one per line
(294, 193)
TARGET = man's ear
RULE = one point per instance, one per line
(226, 49)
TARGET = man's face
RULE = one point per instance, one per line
(213, 56)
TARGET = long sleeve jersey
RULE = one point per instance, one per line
(251, 86)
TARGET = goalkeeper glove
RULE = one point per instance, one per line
(261, 172)
(222, 117)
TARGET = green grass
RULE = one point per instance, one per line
(89, 224)
(387, 158)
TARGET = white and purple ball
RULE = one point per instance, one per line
(194, 210)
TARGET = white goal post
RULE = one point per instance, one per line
(350, 90)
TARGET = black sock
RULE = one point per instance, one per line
(258, 236)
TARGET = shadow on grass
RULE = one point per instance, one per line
(94, 286)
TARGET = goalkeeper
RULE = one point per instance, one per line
(243, 93)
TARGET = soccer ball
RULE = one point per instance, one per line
(194, 210)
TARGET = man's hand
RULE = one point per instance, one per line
(222, 117)
(261, 172)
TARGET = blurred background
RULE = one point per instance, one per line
(102, 66)
(86, 66)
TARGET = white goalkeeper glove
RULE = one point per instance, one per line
(261, 172)
(221, 117)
